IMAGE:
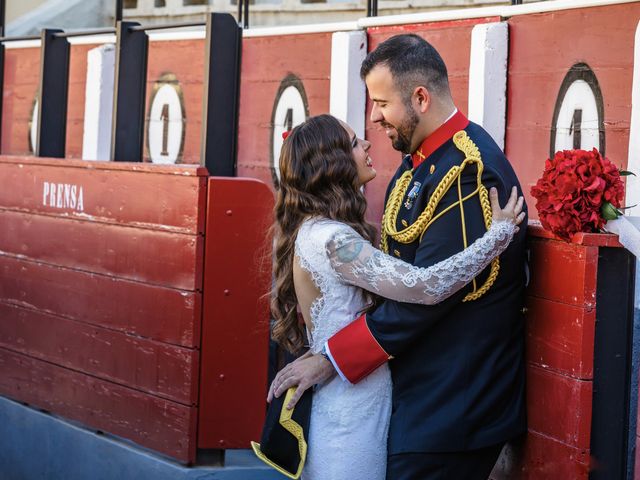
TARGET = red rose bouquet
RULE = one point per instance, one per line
(578, 192)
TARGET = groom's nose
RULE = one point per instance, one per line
(376, 115)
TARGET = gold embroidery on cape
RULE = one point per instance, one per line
(416, 230)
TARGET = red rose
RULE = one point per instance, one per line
(572, 190)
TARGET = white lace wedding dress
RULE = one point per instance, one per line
(349, 423)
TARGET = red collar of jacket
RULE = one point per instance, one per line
(439, 137)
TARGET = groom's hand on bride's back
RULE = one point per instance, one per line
(305, 372)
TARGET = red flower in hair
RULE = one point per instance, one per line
(285, 134)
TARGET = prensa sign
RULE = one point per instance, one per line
(62, 196)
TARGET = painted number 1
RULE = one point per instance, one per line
(288, 120)
(576, 128)
(164, 116)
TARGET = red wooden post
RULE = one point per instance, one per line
(570, 358)
(235, 325)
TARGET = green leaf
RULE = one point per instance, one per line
(609, 212)
(626, 173)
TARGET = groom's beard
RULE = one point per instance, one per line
(405, 130)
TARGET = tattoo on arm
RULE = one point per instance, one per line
(349, 252)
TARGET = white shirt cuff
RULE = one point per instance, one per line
(335, 365)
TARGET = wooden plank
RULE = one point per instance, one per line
(149, 256)
(559, 407)
(21, 78)
(168, 198)
(166, 315)
(541, 458)
(235, 325)
(560, 337)
(150, 421)
(563, 272)
(163, 370)
(535, 229)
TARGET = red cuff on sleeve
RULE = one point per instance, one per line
(356, 351)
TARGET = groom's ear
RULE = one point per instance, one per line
(422, 98)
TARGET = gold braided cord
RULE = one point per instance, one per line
(426, 218)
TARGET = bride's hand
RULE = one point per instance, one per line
(512, 211)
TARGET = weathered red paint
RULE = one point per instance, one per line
(21, 77)
(147, 256)
(101, 305)
(580, 238)
(560, 337)
(184, 59)
(150, 366)
(164, 314)
(157, 423)
(559, 407)
(542, 49)
(264, 67)
(560, 334)
(564, 272)
(561, 305)
(158, 197)
(235, 323)
(538, 457)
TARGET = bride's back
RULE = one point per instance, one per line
(326, 302)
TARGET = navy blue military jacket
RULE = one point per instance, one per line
(458, 372)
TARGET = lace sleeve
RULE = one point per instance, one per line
(358, 263)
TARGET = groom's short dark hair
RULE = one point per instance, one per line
(412, 61)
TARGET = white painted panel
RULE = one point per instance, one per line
(633, 183)
(98, 109)
(348, 91)
(488, 78)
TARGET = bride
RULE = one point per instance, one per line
(325, 264)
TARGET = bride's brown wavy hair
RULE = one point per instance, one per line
(318, 178)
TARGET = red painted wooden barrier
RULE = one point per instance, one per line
(162, 369)
(561, 318)
(154, 422)
(235, 327)
(133, 308)
(101, 299)
(100, 295)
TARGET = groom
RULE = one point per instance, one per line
(457, 367)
